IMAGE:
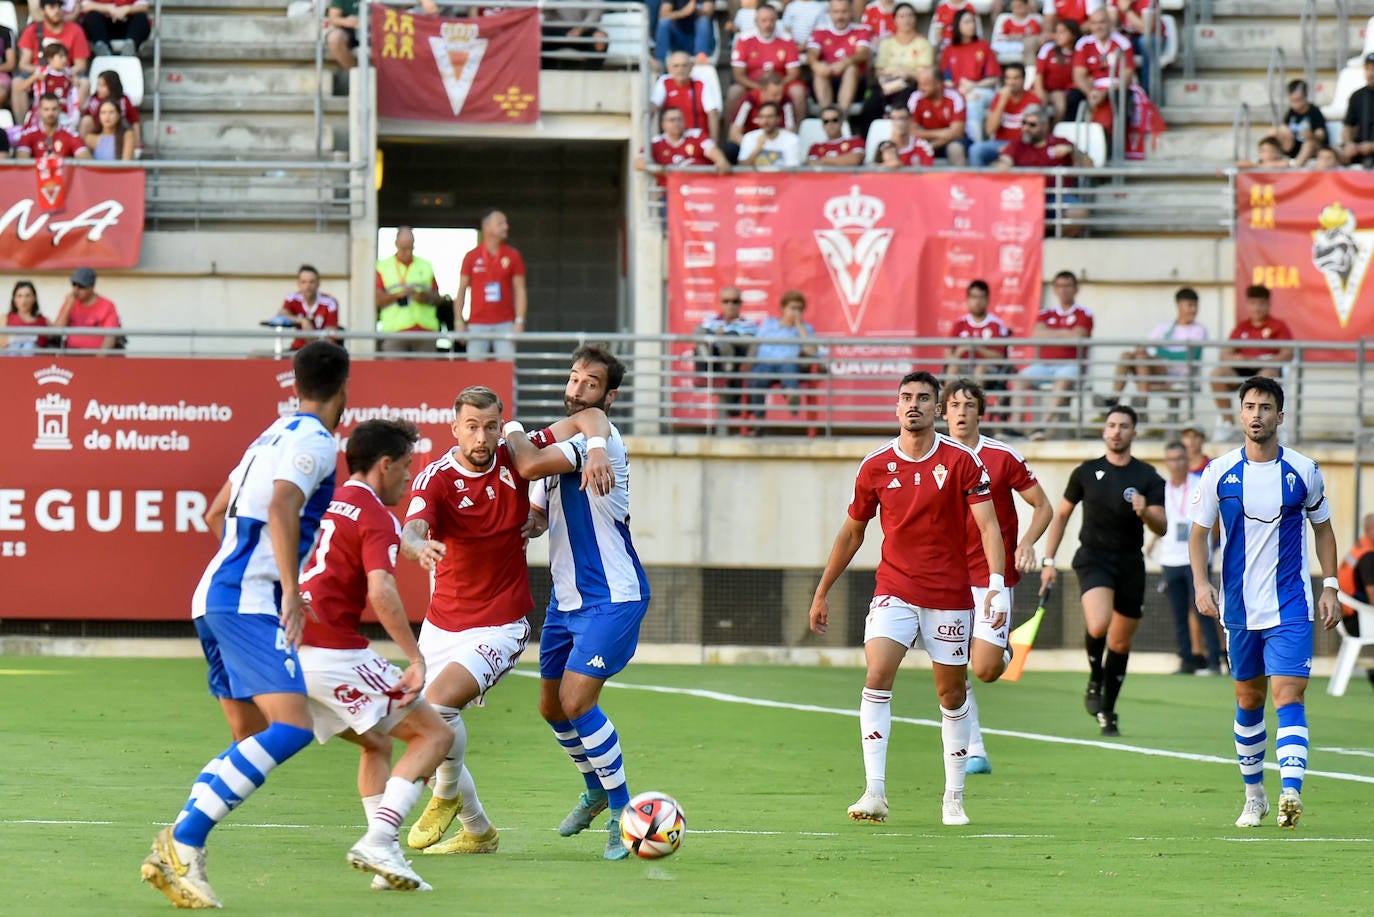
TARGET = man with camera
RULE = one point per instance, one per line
(407, 294)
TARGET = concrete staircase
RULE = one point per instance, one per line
(239, 82)
(1232, 53)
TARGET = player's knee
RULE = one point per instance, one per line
(551, 710)
(953, 697)
(986, 670)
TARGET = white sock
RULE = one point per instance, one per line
(975, 734)
(370, 806)
(447, 774)
(954, 738)
(472, 816)
(875, 725)
(400, 797)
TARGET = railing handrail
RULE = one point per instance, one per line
(1141, 171)
(157, 78)
(1342, 34)
(202, 165)
(1241, 122)
(1307, 25)
(1276, 82)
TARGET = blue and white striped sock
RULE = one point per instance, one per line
(572, 744)
(603, 752)
(1251, 740)
(1290, 745)
(202, 783)
(242, 771)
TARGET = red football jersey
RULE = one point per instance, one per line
(1053, 68)
(747, 116)
(973, 60)
(490, 276)
(1103, 62)
(1009, 128)
(690, 149)
(1077, 10)
(483, 580)
(945, 13)
(918, 152)
(991, 327)
(61, 83)
(694, 100)
(1013, 29)
(924, 517)
(1075, 317)
(126, 108)
(70, 36)
(357, 536)
(881, 23)
(61, 143)
(933, 113)
(828, 149)
(758, 57)
(1270, 330)
(1007, 472)
(324, 314)
(834, 45)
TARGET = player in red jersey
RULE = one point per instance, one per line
(963, 404)
(354, 692)
(835, 150)
(468, 521)
(1244, 358)
(838, 55)
(927, 485)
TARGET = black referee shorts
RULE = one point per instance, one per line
(1123, 573)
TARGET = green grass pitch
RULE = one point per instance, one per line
(98, 752)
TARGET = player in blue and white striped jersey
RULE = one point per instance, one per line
(600, 592)
(249, 614)
(1262, 493)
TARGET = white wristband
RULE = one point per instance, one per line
(1331, 583)
(596, 442)
(513, 426)
(1047, 562)
(997, 582)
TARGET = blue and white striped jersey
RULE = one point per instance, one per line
(591, 556)
(1264, 508)
(242, 576)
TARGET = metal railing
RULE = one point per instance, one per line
(1240, 132)
(1342, 34)
(1276, 85)
(1307, 25)
(693, 384)
(1102, 201)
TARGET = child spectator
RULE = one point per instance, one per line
(113, 141)
(49, 28)
(24, 313)
(55, 78)
(799, 19)
(109, 86)
(743, 21)
(1017, 33)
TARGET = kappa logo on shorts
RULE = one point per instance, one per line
(597, 662)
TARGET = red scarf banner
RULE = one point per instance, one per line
(100, 224)
(483, 70)
(52, 182)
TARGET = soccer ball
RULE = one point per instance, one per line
(652, 825)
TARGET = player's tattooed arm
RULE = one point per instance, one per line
(416, 544)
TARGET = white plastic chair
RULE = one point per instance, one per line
(710, 80)
(626, 36)
(1171, 5)
(1347, 81)
(300, 9)
(878, 131)
(130, 70)
(1168, 52)
(1089, 137)
(1349, 652)
(9, 18)
(809, 132)
(6, 119)
(1368, 38)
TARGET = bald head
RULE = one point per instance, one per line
(405, 244)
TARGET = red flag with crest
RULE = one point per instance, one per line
(52, 182)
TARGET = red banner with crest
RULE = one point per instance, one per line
(98, 224)
(114, 461)
(1300, 235)
(457, 70)
(878, 256)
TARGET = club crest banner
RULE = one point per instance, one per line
(483, 70)
(1309, 237)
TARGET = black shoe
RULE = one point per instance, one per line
(1108, 723)
(1187, 666)
(1092, 700)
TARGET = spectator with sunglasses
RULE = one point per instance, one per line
(83, 308)
(835, 150)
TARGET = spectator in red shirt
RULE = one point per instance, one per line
(939, 115)
(1102, 60)
(1003, 121)
(765, 51)
(55, 29)
(835, 150)
(880, 16)
(1036, 149)
(496, 274)
(109, 20)
(676, 146)
(838, 55)
(55, 77)
(1018, 33)
(1239, 362)
(977, 355)
(308, 308)
(1054, 66)
(1055, 11)
(970, 65)
(24, 314)
(109, 87)
(907, 149)
(8, 61)
(698, 102)
(1132, 19)
(47, 136)
(84, 309)
(1059, 361)
(942, 23)
(747, 117)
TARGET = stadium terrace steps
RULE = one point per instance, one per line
(215, 136)
(1280, 9)
(224, 84)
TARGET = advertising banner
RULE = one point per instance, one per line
(112, 462)
(99, 223)
(457, 70)
(1301, 235)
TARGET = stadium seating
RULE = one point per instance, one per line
(8, 18)
(130, 70)
(1351, 645)
(6, 119)
(1090, 138)
(878, 131)
(626, 37)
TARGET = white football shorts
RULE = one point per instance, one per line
(982, 627)
(488, 653)
(351, 689)
(944, 634)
